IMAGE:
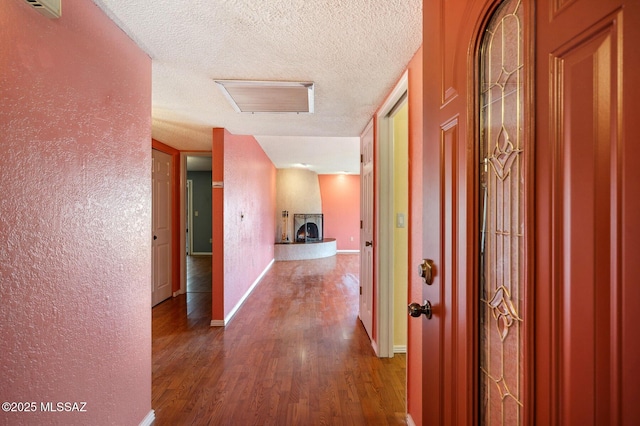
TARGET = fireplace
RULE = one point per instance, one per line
(308, 227)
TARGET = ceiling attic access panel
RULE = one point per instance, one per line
(269, 96)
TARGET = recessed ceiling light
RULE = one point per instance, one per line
(268, 96)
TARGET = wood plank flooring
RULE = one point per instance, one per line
(294, 354)
(199, 274)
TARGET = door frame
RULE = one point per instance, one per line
(384, 220)
(189, 220)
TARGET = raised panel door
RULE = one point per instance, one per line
(588, 224)
(366, 231)
(161, 227)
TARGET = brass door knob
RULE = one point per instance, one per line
(415, 309)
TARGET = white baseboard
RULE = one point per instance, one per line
(149, 419)
(410, 421)
(228, 318)
(399, 349)
(347, 251)
(178, 293)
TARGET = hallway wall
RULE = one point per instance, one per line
(243, 212)
(75, 284)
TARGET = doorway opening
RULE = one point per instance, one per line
(392, 273)
(399, 117)
(196, 260)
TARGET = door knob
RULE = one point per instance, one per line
(368, 243)
(415, 309)
(426, 271)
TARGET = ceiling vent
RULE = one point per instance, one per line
(268, 96)
(48, 8)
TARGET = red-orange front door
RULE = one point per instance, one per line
(582, 251)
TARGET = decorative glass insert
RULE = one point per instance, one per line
(501, 218)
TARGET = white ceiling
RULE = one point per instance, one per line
(353, 50)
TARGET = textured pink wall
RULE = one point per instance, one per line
(249, 209)
(341, 208)
(75, 222)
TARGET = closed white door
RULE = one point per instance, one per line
(161, 227)
(366, 231)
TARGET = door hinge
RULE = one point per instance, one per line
(360, 290)
(360, 224)
(361, 158)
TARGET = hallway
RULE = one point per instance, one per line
(294, 354)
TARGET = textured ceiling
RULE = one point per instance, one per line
(354, 50)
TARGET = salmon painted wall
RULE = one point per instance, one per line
(341, 208)
(75, 217)
(248, 209)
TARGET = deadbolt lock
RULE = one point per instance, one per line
(426, 271)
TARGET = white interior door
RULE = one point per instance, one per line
(161, 227)
(366, 231)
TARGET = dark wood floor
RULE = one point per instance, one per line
(199, 274)
(294, 354)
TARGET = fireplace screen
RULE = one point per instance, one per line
(308, 227)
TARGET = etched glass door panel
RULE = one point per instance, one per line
(501, 218)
